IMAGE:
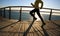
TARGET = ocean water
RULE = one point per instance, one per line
(27, 16)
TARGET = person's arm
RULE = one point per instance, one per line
(41, 5)
(32, 4)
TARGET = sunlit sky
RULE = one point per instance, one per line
(47, 3)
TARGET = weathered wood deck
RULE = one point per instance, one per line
(17, 28)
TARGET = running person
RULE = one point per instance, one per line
(36, 9)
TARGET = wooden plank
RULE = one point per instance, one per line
(51, 28)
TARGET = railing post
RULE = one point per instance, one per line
(4, 13)
(20, 13)
(9, 12)
(0, 12)
(50, 15)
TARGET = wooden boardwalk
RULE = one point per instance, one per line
(17, 28)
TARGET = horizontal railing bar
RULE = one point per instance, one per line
(30, 7)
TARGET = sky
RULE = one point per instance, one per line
(47, 3)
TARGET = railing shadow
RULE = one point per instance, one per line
(39, 32)
(35, 31)
(9, 25)
(55, 23)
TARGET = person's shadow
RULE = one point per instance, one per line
(28, 29)
(25, 33)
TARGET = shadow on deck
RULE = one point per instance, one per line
(17, 28)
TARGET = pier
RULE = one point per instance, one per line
(12, 27)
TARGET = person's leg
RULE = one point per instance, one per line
(32, 14)
(40, 17)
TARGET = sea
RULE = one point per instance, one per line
(26, 16)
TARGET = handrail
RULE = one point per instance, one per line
(29, 7)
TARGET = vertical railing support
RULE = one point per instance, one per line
(9, 12)
(4, 13)
(20, 13)
(50, 15)
(0, 12)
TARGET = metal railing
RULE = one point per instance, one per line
(4, 9)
